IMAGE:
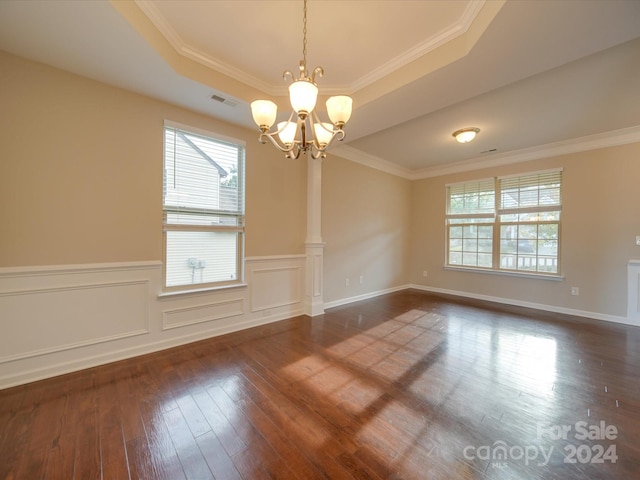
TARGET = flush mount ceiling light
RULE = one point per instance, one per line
(303, 132)
(465, 135)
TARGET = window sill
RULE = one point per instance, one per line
(508, 273)
(200, 291)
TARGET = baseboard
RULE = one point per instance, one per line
(520, 303)
(488, 298)
(365, 296)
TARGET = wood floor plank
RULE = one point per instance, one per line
(259, 459)
(224, 431)
(191, 458)
(162, 452)
(408, 385)
(217, 459)
(87, 460)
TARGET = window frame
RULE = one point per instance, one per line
(495, 220)
(238, 215)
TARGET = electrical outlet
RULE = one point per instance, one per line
(575, 291)
(346, 282)
(637, 239)
(361, 279)
(424, 273)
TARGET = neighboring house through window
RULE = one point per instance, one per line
(203, 203)
(506, 223)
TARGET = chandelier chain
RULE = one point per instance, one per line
(304, 35)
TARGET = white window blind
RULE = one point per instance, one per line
(203, 202)
(535, 192)
(471, 200)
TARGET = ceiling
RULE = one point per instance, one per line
(529, 73)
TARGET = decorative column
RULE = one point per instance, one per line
(314, 246)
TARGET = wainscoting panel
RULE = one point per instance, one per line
(181, 317)
(58, 319)
(47, 320)
(276, 282)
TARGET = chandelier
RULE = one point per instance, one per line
(304, 131)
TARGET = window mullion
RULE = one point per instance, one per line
(496, 227)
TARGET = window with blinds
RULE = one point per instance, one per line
(506, 223)
(203, 204)
(470, 215)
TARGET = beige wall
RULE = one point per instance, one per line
(600, 219)
(81, 182)
(365, 225)
(81, 173)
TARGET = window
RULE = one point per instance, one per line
(203, 203)
(506, 223)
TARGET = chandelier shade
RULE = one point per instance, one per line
(264, 113)
(323, 132)
(304, 131)
(339, 109)
(287, 132)
(303, 96)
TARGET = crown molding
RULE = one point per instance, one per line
(574, 145)
(439, 39)
(358, 156)
(613, 138)
(457, 29)
(179, 45)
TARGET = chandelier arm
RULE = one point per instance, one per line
(316, 119)
(316, 71)
(302, 126)
(313, 119)
(339, 134)
(272, 137)
(296, 156)
(289, 73)
(315, 149)
(284, 124)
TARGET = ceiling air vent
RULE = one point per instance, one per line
(225, 101)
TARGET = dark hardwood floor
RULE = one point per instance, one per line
(404, 386)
